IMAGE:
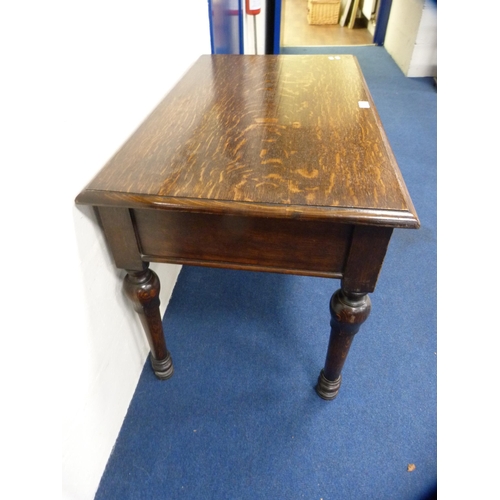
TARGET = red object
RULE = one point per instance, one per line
(252, 7)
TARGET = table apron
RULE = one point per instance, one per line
(351, 252)
(241, 242)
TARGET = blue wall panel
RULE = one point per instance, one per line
(226, 26)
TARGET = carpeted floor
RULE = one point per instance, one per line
(240, 418)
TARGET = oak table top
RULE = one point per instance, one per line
(285, 136)
(265, 163)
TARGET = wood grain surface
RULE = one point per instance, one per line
(278, 135)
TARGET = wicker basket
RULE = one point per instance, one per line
(323, 11)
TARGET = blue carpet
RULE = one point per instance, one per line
(240, 418)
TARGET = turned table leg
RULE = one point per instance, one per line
(348, 311)
(143, 289)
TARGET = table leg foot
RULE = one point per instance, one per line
(348, 312)
(143, 289)
(328, 389)
(163, 368)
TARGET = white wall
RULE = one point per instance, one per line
(411, 37)
(424, 58)
(77, 79)
(402, 29)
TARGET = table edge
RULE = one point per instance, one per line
(349, 215)
(388, 148)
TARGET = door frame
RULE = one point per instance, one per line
(382, 21)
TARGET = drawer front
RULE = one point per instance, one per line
(293, 246)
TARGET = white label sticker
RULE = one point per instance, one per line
(363, 104)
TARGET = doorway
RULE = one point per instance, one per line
(297, 32)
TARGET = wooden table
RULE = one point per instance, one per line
(266, 163)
